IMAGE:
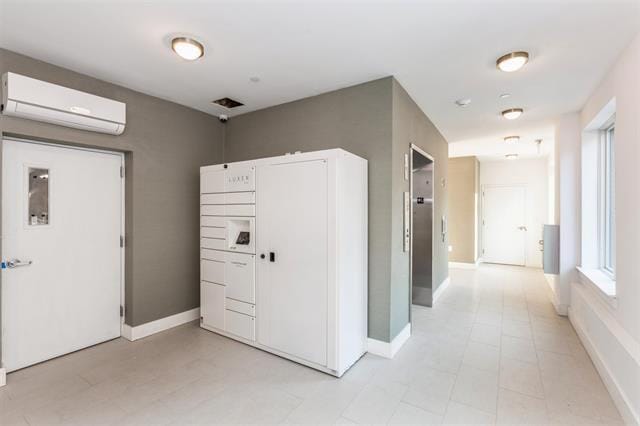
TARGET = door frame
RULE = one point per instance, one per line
(482, 213)
(122, 213)
(413, 147)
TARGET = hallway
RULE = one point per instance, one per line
(493, 350)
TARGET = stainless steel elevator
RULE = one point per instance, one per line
(422, 228)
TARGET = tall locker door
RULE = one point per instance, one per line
(291, 229)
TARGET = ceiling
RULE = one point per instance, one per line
(439, 51)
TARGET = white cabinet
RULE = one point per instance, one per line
(284, 242)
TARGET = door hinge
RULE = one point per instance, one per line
(121, 311)
(122, 171)
(121, 241)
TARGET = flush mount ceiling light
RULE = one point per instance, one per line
(512, 113)
(187, 48)
(505, 95)
(512, 61)
(512, 139)
(511, 156)
(463, 102)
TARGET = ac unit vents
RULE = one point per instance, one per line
(228, 103)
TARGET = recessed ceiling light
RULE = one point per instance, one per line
(187, 48)
(512, 113)
(512, 61)
(511, 156)
(512, 139)
(463, 102)
(505, 95)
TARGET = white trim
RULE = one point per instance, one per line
(630, 345)
(603, 286)
(561, 309)
(162, 324)
(463, 265)
(3, 377)
(441, 288)
(389, 350)
(617, 393)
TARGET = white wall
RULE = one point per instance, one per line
(610, 328)
(567, 200)
(534, 175)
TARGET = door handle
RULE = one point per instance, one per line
(522, 228)
(15, 263)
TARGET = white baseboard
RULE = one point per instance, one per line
(463, 265)
(153, 327)
(561, 308)
(601, 335)
(3, 377)
(441, 288)
(389, 350)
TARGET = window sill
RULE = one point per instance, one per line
(603, 285)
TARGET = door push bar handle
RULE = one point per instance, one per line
(15, 263)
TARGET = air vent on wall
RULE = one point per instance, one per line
(228, 103)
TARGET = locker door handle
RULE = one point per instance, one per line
(272, 256)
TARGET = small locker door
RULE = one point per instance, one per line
(291, 282)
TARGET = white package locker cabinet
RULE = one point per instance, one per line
(284, 255)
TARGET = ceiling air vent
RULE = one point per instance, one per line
(228, 103)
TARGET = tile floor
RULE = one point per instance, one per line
(492, 351)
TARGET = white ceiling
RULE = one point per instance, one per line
(440, 51)
(492, 147)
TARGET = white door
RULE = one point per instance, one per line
(61, 210)
(291, 284)
(504, 231)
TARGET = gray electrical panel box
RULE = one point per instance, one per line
(551, 249)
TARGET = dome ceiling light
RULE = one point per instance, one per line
(512, 61)
(512, 139)
(512, 113)
(511, 156)
(187, 48)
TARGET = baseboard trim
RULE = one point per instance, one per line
(3, 377)
(463, 265)
(389, 350)
(162, 324)
(441, 288)
(561, 308)
(619, 397)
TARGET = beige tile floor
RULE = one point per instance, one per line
(492, 351)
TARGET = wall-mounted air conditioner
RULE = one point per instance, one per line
(33, 99)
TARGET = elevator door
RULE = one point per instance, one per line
(422, 229)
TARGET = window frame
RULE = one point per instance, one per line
(606, 200)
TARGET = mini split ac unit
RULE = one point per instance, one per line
(29, 98)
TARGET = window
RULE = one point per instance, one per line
(38, 213)
(607, 216)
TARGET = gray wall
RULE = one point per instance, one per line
(411, 125)
(376, 120)
(357, 119)
(165, 144)
(463, 208)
